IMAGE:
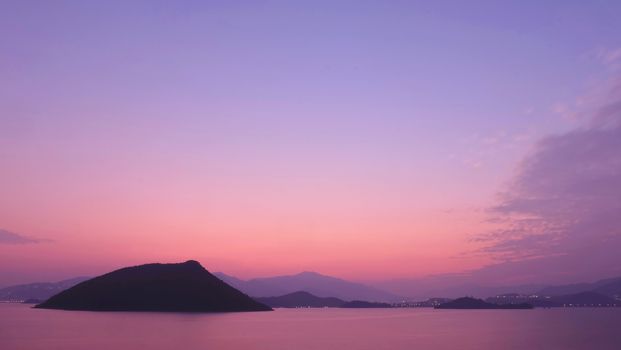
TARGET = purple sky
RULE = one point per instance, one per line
(366, 139)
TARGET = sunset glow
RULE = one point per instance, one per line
(372, 141)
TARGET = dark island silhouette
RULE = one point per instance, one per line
(472, 303)
(304, 299)
(182, 287)
(360, 304)
(300, 299)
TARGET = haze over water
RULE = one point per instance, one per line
(23, 328)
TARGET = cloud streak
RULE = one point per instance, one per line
(8, 237)
(561, 213)
(557, 221)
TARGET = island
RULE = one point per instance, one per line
(300, 299)
(473, 303)
(360, 304)
(181, 287)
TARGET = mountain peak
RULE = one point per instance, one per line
(310, 274)
(192, 263)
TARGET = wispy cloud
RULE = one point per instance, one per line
(610, 57)
(559, 218)
(562, 208)
(8, 237)
(481, 149)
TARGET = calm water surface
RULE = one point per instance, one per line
(22, 327)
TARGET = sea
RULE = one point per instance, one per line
(25, 328)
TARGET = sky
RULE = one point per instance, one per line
(370, 140)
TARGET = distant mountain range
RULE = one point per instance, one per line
(326, 286)
(586, 299)
(186, 287)
(610, 287)
(604, 292)
(507, 301)
(444, 286)
(37, 291)
(448, 287)
(311, 282)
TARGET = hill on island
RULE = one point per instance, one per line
(300, 299)
(472, 303)
(182, 287)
